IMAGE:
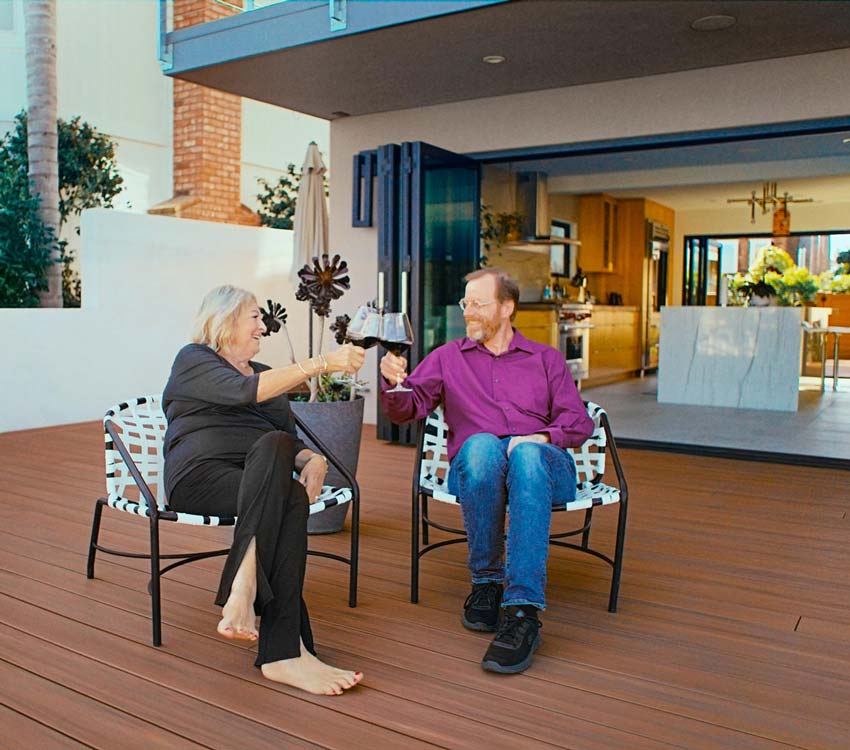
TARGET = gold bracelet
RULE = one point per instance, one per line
(323, 362)
(302, 369)
(319, 455)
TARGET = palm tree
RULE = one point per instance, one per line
(42, 139)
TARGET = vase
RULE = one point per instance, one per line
(757, 300)
(339, 425)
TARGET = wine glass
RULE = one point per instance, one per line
(364, 330)
(397, 336)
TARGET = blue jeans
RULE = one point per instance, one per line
(531, 480)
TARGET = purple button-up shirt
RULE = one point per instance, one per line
(526, 389)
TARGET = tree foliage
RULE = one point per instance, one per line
(277, 202)
(25, 241)
(88, 177)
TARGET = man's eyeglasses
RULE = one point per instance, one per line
(474, 304)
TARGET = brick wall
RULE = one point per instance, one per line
(207, 140)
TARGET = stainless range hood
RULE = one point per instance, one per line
(532, 201)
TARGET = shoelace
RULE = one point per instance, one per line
(483, 598)
(511, 629)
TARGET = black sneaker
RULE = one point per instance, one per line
(481, 608)
(517, 638)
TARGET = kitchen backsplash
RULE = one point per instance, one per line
(530, 269)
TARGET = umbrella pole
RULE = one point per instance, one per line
(313, 381)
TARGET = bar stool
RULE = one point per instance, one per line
(822, 334)
(836, 332)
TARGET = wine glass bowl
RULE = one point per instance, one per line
(364, 330)
(397, 337)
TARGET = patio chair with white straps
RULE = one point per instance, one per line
(134, 432)
(430, 481)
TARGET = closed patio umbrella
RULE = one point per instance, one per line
(311, 213)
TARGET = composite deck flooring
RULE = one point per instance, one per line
(733, 629)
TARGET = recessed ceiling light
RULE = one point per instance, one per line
(713, 23)
(845, 140)
(493, 59)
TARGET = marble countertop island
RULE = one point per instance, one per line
(744, 357)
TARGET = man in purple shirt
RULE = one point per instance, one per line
(512, 408)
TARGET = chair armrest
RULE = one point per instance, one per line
(328, 453)
(132, 468)
(615, 457)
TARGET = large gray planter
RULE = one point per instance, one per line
(338, 424)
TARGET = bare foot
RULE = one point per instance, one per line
(308, 673)
(237, 615)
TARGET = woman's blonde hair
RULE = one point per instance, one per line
(217, 317)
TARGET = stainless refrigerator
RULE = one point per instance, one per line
(425, 201)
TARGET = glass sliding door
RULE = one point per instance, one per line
(428, 239)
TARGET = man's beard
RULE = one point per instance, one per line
(484, 331)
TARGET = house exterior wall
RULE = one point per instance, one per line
(108, 74)
(799, 88)
(145, 276)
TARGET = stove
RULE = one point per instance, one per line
(574, 328)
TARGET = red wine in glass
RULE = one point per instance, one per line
(397, 347)
(365, 329)
(397, 336)
(367, 342)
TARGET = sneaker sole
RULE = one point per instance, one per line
(480, 627)
(492, 666)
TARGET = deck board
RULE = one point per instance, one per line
(732, 630)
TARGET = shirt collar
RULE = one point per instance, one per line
(517, 342)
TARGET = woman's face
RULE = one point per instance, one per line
(246, 333)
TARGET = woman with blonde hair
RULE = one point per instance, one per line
(231, 449)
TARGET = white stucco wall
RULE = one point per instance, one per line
(799, 88)
(145, 278)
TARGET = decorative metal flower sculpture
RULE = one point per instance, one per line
(340, 328)
(273, 318)
(322, 283)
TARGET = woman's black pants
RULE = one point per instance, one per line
(272, 508)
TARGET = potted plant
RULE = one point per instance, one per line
(499, 228)
(773, 279)
(332, 408)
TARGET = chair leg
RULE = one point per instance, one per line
(618, 556)
(424, 514)
(156, 612)
(355, 554)
(95, 533)
(585, 537)
(414, 549)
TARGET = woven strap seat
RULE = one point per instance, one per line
(142, 424)
(589, 459)
(134, 431)
(431, 482)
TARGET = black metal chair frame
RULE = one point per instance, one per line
(155, 515)
(421, 522)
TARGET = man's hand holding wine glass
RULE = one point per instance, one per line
(393, 367)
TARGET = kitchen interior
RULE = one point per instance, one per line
(593, 270)
(599, 245)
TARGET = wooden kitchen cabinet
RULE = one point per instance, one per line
(614, 344)
(598, 233)
(538, 325)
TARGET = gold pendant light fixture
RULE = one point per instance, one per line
(769, 201)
